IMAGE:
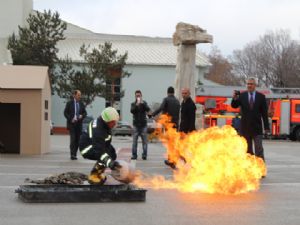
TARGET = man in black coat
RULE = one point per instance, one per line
(254, 110)
(169, 106)
(187, 112)
(74, 113)
(139, 110)
(187, 119)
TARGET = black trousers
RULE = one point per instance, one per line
(75, 132)
(259, 150)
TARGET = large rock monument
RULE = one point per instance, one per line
(186, 37)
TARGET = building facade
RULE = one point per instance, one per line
(151, 61)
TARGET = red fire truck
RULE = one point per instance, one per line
(283, 103)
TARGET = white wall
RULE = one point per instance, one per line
(153, 81)
(17, 11)
(58, 106)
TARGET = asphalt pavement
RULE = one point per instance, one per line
(276, 202)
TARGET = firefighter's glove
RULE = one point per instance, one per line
(114, 165)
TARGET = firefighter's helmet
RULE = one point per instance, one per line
(110, 114)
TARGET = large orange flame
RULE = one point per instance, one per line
(214, 160)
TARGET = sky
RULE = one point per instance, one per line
(233, 23)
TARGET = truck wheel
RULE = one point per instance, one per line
(297, 134)
(292, 136)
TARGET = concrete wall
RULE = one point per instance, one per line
(28, 86)
(17, 11)
(153, 81)
(45, 122)
(30, 133)
(58, 106)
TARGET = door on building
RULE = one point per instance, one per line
(10, 127)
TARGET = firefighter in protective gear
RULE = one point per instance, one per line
(95, 144)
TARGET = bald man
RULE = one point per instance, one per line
(187, 112)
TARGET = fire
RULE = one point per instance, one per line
(214, 160)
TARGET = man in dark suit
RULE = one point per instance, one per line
(74, 113)
(254, 110)
(187, 112)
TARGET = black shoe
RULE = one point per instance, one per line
(170, 164)
(144, 157)
(73, 158)
(133, 157)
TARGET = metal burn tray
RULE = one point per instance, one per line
(80, 193)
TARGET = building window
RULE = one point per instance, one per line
(46, 104)
(46, 116)
(297, 108)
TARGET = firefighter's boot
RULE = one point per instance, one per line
(97, 175)
(170, 164)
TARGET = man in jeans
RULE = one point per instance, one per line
(139, 109)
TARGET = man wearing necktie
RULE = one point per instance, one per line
(254, 111)
(74, 113)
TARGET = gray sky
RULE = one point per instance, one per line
(233, 23)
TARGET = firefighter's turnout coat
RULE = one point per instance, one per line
(95, 143)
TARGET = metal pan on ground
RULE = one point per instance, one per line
(61, 193)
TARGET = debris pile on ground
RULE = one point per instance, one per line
(63, 178)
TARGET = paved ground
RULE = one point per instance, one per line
(277, 202)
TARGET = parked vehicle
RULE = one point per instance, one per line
(152, 125)
(85, 123)
(283, 108)
(122, 128)
(51, 127)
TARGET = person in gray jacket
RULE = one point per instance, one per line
(170, 106)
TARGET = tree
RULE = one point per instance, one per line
(95, 77)
(36, 44)
(274, 59)
(220, 70)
